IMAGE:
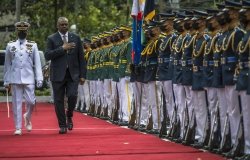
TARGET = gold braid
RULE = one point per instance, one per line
(224, 45)
(188, 44)
(197, 53)
(161, 47)
(208, 49)
(175, 47)
(242, 48)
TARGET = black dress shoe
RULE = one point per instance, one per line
(153, 131)
(123, 123)
(178, 140)
(69, 123)
(63, 130)
(197, 145)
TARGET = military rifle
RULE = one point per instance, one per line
(163, 130)
(117, 106)
(185, 120)
(207, 123)
(174, 132)
(238, 146)
(225, 144)
(214, 137)
(132, 119)
(190, 133)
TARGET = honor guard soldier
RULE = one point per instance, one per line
(242, 83)
(208, 76)
(106, 66)
(82, 104)
(186, 63)
(217, 72)
(86, 85)
(115, 56)
(199, 95)
(228, 61)
(124, 69)
(22, 69)
(165, 67)
(178, 88)
(90, 75)
(149, 61)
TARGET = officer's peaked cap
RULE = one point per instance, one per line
(22, 26)
(232, 5)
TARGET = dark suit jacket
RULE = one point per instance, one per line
(60, 59)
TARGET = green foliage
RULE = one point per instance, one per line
(43, 92)
(90, 16)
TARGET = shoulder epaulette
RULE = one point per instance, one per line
(206, 37)
(239, 29)
(11, 41)
(31, 41)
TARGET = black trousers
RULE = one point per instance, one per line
(69, 87)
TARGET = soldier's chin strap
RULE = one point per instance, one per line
(8, 106)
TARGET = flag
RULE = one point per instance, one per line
(137, 14)
(137, 9)
(149, 11)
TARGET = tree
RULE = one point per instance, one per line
(90, 16)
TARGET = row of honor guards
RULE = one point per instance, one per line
(191, 85)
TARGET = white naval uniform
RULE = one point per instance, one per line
(21, 68)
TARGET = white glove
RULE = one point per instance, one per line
(6, 85)
(39, 84)
(158, 83)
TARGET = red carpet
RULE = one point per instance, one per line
(91, 139)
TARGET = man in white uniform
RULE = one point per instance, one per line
(22, 69)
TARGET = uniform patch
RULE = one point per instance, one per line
(29, 48)
(13, 49)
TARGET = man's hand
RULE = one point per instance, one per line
(39, 84)
(82, 80)
(7, 87)
(67, 46)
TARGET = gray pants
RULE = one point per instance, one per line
(20, 91)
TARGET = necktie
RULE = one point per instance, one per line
(64, 39)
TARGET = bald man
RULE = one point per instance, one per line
(67, 70)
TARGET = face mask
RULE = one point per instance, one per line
(227, 17)
(163, 28)
(210, 27)
(243, 19)
(105, 41)
(221, 21)
(180, 29)
(187, 26)
(151, 34)
(116, 38)
(122, 35)
(175, 26)
(195, 26)
(92, 46)
(112, 39)
(99, 43)
(22, 35)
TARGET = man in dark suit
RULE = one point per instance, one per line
(67, 70)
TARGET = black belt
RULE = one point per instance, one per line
(149, 63)
(186, 62)
(176, 62)
(216, 63)
(243, 65)
(197, 68)
(208, 63)
(225, 60)
(163, 60)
